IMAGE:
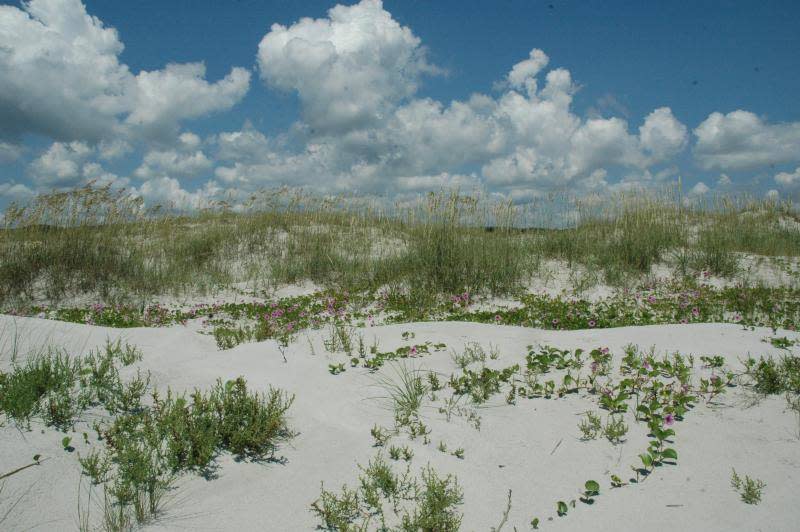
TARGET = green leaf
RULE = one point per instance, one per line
(647, 460)
(561, 508)
(535, 523)
(670, 453)
(65, 441)
(36, 457)
(592, 486)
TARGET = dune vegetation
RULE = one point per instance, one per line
(309, 336)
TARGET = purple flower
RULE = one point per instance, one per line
(669, 420)
(592, 323)
(413, 350)
(497, 317)
(695, 312)
(651, 299)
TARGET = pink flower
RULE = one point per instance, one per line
(592, 323)
(651, 299)
(695, 312)
(413, 350)
(595, 366)
(604, 350)
(497, 317)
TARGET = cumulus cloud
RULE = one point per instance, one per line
(363, 129)
(15, 191)
(526, 71)
(742, 140)
(61, 164)
(184, 161)
(168, 192)
(162, 98)
(526, 139)
(247, 145)
(662, 136)
(67, 164)
(789, 180)
(60, 76)
(349, 69)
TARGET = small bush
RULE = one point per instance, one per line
(43, 386)
(749, 489)
(436, 505)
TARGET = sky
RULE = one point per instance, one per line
(188, 101)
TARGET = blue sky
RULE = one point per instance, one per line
(185, 101)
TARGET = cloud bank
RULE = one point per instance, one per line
(363, 125)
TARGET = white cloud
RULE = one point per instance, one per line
(9, 152)
(724, 181)
(96, 174)
(184, 161)
(741, 140)
(15, 191)
(789, 180)
(61, 164)
(662, 135)
(167, 192)
(444, 180)
(67, 164)
(349, 69)
(526, 71)
(162, 98)
(114, 149)
(700, 189)
(522, 140)
(247, 145)
(60, 76)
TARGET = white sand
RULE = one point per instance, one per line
(513, 450)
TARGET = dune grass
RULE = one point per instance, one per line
(104, 244)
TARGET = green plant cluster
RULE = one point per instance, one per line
(386, 500)
(146, 445)
(57, 388)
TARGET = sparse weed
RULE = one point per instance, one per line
(748, 489)
(434, 501)
(590, 426)
(380, 436)
(404, 453)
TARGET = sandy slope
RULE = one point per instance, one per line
(517, 447)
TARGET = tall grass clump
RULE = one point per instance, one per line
(70, 241)
(105, 243)
(727, 226)
(621, 236)
(458, 242)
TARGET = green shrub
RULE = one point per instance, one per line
(43, 386)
